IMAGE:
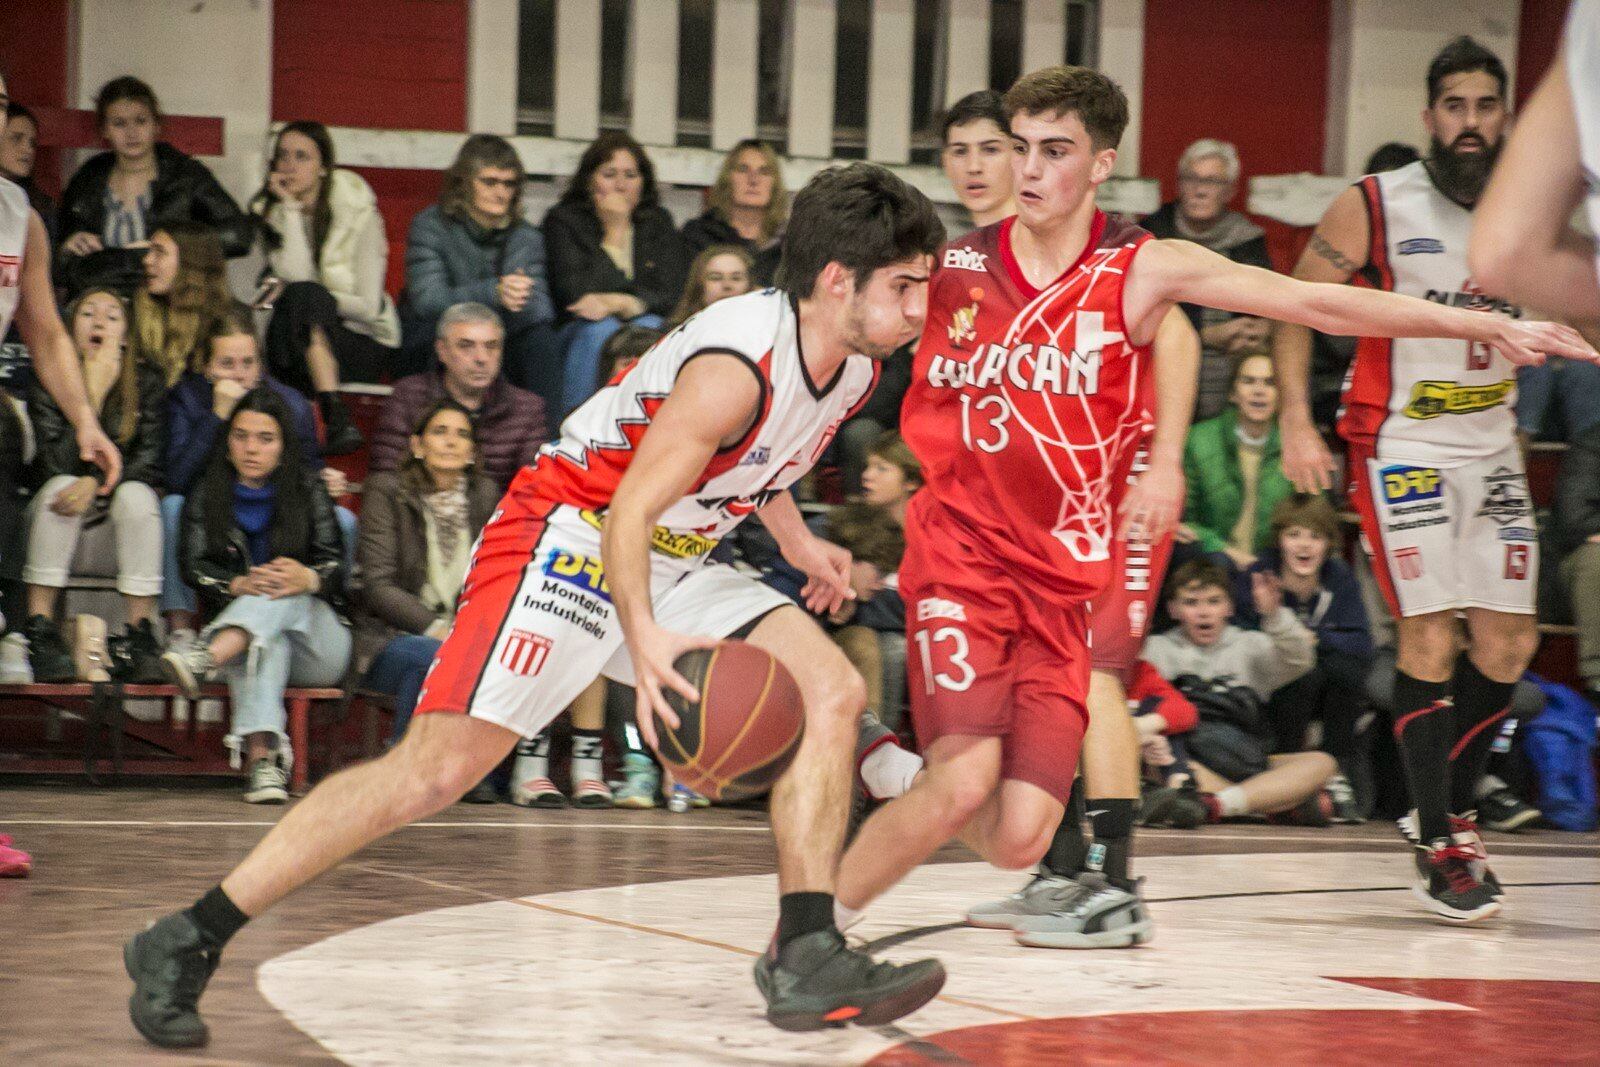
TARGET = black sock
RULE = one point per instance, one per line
(1481, 703)
(1068, 849)
(1112, 822)
(800, 914)
(217, 917)
(1422, 727)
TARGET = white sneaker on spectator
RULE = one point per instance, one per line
(269, 781)
(14, 667)
(180, 639)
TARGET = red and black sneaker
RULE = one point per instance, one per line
(817, 981)
(1445, 883)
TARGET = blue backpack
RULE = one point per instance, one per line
(1560, 744)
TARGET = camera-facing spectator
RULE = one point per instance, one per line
(327, 256)
(118, 199)
(976, 156)
(615, 257)
(1208, 177)
(1234, 469)
(1229, 674)
(1576, 518)
(509, 422)
(128, 396)
(718, 272)
(747, 206)
(19, 147)
(183, 297)
(262, 546)
(1321, 590)
(475, 246)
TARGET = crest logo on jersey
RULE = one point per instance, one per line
(10, 272)
(965, 259)
(964, 323)
(585, 572)
(1420, 246)
(1408, 563)
(525, 652)
(938, 608)
(1401, 484)
(1517, 562)
(1429, 400)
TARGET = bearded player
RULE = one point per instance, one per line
(1025, 423)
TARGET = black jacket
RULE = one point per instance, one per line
(208, 568)
(142, 457)
(712, 229)
(1577, 512)
(578, 265)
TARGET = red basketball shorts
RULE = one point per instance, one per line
(988, 656)
(1119, 617)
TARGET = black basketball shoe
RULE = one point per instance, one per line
(817, 981)
(1445, 883)
(170, 964)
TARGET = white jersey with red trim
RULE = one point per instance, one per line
(796, 421)
(14, 214)
(1430, 401)
(1583, 80)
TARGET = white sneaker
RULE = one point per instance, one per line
(14, 667)
(269, 782)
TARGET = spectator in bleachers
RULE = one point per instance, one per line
(118, 199)
(1208, 177)
(976, 156)
(747, 206)
(262, 546)
(327, 256)
(615, 257)
(19, 145)
(1234, 470)
(892, 477)
(1576, 520)
(1230, 674)
(183, 297)
(626, 347)
(1558, 401)
(509, 423)
(1321, 590)
(475, 246)
(418, 524)
(197, 408)
(718, 272)
(127, 395)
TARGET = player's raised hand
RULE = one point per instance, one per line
(827, 570)
(1306, 461)
(1153, 504)
(654, 651)
(1530, 343)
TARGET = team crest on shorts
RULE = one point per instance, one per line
(1517, 563)
(1408, 562)
(525, 652)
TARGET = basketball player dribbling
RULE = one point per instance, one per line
(1435, 470)
(1025, 419)
(595, 563)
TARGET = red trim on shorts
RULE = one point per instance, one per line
(1478, 729)
(1361, 497)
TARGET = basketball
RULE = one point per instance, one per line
(741, 735)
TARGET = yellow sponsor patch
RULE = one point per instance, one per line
(665, 541)
(1429, 400)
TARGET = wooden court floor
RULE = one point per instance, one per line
(501, 935)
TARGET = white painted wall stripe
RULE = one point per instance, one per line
(653, 45)
(889, 82)
(814, 26)
(492, 66)
(967, 49)
(577, 88)
(733, 72)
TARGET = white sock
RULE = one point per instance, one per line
(889, 770)
(844, 918)
(1233, 802)
(587, 748)
(533, 759)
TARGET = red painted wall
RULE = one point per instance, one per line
(1254, 72)
(401, 194)
(1538, 39)
(394, 64)
(34, 39)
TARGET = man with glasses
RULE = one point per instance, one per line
(1208, 176)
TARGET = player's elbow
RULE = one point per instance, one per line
(1491, 261)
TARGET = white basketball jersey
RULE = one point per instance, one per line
(1583, 79)
(1428, 401)
(14, 214)
(797, 419)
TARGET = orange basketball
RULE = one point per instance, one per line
(740, 737)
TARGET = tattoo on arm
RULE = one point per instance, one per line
(1321, 247)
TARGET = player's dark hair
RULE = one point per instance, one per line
(975, 107)
(860, 216)
(1463, 56)
(1199, 573)
(1391, 156)
(1099, 102)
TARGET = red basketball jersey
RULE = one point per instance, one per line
(1026, 404)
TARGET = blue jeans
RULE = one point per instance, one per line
(398, 670)
(581, 344)
(1566, 384)
(176, 594)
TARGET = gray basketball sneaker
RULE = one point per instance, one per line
(1099, 916)
(1045, 894)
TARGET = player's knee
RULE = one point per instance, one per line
(1507, 654)
(438, 774)
(957, 799)
(842, 697)
(1019, 844)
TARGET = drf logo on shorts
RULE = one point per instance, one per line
(1402, 484)
(585, 572)
(525, 652)
(1516, 563)
(1408, 563)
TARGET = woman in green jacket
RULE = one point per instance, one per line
(1234, 469)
